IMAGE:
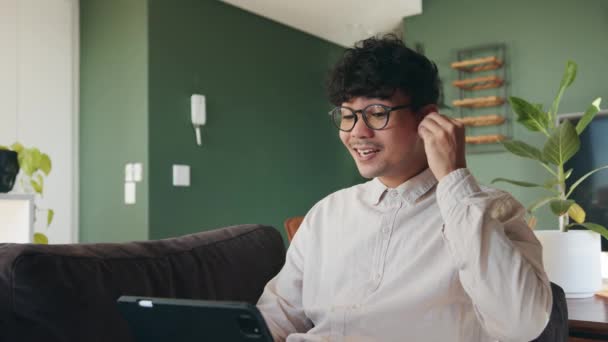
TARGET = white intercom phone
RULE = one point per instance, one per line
(199, 115)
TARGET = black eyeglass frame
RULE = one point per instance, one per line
(387, 110)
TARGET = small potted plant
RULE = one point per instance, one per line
(34, 166)
(9, 168)
(571, 259)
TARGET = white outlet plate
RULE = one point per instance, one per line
(181, 175)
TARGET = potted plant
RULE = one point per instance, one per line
(571, 259)
(34, 166)
(9, 168)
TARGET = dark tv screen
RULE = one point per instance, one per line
(592, 194)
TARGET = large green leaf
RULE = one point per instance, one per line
(567, 79)
(560, 207)
(26, 165)
(520, 148)
(518, 183)
(562, 144)
(588, 116)
(29, 160)
(569, 74)
(580, 180)
(540, 203)
(45, 164)
(36, 157)
(41, 239)
(593, 227)
(529, 115)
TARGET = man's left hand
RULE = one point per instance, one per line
(444, 143)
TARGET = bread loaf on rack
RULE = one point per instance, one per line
(485, 139)
(488, 101)
(482, 120)
(479, 83)
(478, 64)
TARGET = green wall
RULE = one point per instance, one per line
(540, 36)
(113, 118)
(269, 150)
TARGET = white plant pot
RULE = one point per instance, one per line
(572, 260)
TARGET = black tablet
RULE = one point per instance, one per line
(185, 320)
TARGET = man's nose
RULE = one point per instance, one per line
(361, 130)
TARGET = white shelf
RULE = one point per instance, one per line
(16, 218)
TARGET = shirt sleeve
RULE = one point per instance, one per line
(498, 257)
(281, 301)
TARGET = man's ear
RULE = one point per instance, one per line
(424, 111)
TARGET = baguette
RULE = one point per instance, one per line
(485, 139)
(482, 120)
(476, 102)
(479, 83)
(478, 64)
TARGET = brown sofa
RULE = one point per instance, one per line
(68, 292)
(64, 293)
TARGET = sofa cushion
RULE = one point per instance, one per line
(69, 292)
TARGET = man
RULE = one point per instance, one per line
(421, 252)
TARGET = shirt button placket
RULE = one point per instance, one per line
(385, 232)
(395, 203)
(393, 199)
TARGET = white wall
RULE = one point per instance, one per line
(38, 97)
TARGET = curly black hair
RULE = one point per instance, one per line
(377, 67)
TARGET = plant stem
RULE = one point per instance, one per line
(564, 220)
(561, 187)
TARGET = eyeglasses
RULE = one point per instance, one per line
(375, 116)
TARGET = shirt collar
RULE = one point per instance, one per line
(410, 191)
(375, 191)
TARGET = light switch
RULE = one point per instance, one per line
(129, 172)
(129, 192)
(138, 172)
(181, 175)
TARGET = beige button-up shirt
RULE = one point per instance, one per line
(427, 261)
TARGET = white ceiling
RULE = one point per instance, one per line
(339, 21)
